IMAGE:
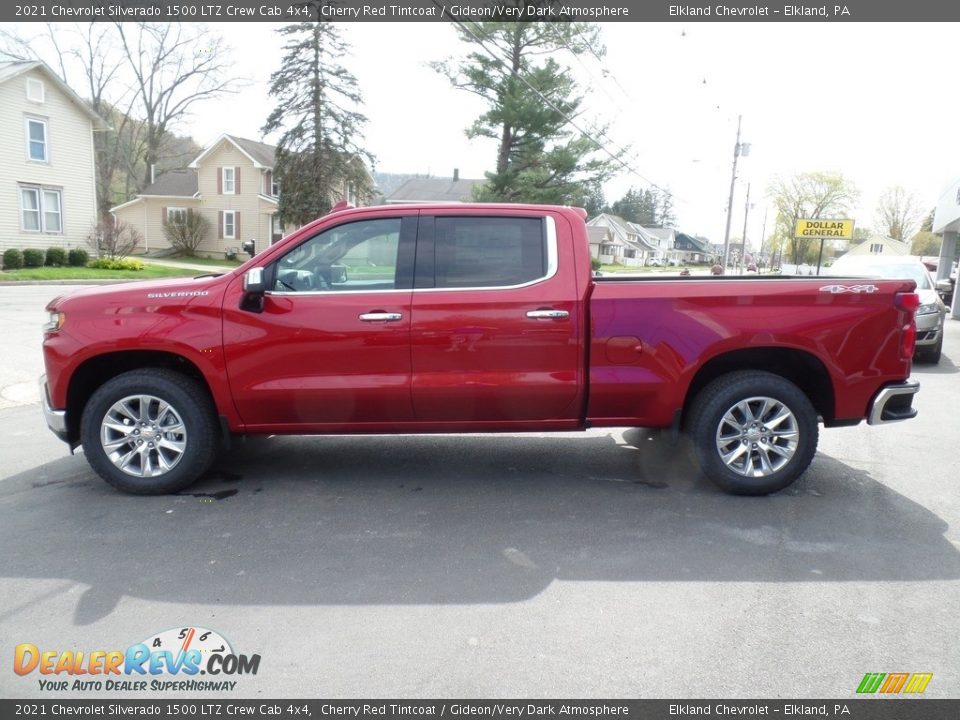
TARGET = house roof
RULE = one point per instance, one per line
(260, 154)
(175, 183)
(890, 245)
(624, 231)
(701, 245)
(598, 233)
(434, 190)
(14, 68)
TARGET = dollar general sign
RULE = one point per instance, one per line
(824, 228)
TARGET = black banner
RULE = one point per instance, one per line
(466, 10)
(858, 709)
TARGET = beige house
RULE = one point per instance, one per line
(48, 194)
(878, 244)
(230, 183)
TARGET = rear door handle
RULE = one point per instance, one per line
(548, 314)
(381, 316)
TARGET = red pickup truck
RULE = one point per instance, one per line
(469, 318)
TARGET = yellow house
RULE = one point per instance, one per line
(230, 183)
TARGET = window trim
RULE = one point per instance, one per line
(233, 224)
(37, 83)
(46, 138)
(176, 209)
(550, 227)
(42, 221)
(233, 180)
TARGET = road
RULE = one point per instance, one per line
(598, 564)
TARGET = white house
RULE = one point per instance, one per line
(48, 194)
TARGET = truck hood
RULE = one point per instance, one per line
(169, 291)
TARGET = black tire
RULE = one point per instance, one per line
(715, 415)
(932, 356)
(191, 429)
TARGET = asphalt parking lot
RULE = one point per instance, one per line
(598, 564)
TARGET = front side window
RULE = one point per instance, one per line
(41, 210)
(37, 140)
(355, 256)
(477, 252)
(229, 225)
(229, 181)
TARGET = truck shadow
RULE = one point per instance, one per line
(453, 519)
(946, 366)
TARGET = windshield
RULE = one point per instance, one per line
(914, 271)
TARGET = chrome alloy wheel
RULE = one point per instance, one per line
(143, 435)
(757, 436)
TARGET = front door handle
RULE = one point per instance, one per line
(548, 314)
(381, 316)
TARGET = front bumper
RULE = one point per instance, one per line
(929, 328)
(56, 419)
(894, 403)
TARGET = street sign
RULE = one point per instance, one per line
(824, 228)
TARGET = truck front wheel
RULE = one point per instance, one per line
(150, 431)
(754, 432)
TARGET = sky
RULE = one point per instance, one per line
(872, 101)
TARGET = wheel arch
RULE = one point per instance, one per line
(802, 368)
(95, 371)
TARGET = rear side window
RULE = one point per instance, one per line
(478, 252)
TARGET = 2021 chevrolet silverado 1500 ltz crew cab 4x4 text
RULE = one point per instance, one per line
(469, 318)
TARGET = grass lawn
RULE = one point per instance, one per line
(85, 273)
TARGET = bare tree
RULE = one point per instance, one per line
(174, 66)
(899, 213)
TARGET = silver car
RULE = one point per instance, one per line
(932, 311)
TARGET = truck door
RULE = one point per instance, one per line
(331, 347)
(496, 332)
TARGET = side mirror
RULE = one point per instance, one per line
(944, 286)
(253, 281)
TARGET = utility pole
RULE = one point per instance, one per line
(743, 240)
(763, 238)
(733, 180)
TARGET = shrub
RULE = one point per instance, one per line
(77, 257)
(114, 239)
(185, 232)
(33, 258)
(56, 257)
(12, 259)
(115, 264)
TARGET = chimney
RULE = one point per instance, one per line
(456, 174)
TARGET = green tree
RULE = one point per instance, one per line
(899, 213)
(650, 207)
(318, 158)
(808, 195)
(530, 100)
(925, 243)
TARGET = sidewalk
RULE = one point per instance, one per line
(188, 265)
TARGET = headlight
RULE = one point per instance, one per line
(54, 322)
(928, 308)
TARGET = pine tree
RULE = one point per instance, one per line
(531, 99)
(317, 113)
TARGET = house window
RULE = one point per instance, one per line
(876, 247)
(229, 225)
(229, 181)
(275, 188)
(35, 90)
(176, 214)
(37, 140)
(41, 210)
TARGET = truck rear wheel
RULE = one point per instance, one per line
(754, 432)
(150, 431)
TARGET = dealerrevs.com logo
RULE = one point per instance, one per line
(173, 660)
